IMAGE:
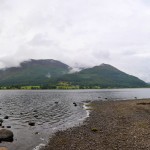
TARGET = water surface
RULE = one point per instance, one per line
(51, 110)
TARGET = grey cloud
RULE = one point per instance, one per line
(9, 61)
(129, 53)
(78, 32)
(40, 40)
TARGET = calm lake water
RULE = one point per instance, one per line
(40, 107)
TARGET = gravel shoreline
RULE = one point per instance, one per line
(112, 125)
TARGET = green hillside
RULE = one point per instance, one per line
(33, 72)
(55, 74)
(103, 76)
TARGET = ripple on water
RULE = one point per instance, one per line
(22, 107)
(51, 116)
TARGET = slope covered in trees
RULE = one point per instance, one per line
(33, 72)
(55, 74)
(103, 76)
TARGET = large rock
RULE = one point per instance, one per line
(6, 135)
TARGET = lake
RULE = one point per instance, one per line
(51, 110)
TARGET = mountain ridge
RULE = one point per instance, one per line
(51, 73)
(103, 76)
(32, 71)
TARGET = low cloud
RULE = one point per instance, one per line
(80, 33)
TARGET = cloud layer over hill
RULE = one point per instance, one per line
(77, 32)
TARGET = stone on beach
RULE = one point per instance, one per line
(122, 125)
(6, 135)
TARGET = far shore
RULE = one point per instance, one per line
(112, 125)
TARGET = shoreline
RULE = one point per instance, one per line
(110, 125)
(78, 123)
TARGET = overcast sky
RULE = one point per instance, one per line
(77, 32)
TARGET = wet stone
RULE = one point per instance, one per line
(6, 135)
(6, 117)
(36, 116)
(31, 123)
(1, 120)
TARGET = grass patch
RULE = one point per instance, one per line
(94, 129)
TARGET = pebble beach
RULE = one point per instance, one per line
(111, 125)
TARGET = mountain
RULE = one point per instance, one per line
(51, 73)
(103, 76)
(33, 72)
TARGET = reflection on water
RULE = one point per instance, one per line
(51, 110)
